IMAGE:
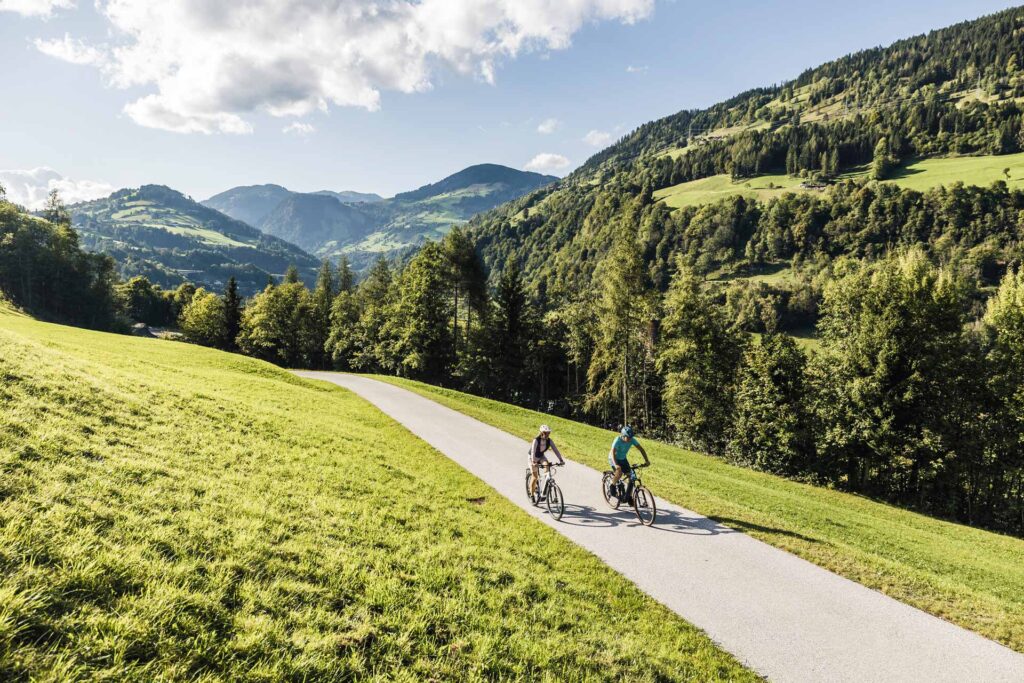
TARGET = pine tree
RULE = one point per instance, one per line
(881, 163)
(291, 276)
(232, 315)
(770, 431)
(346, 280)
(622, 349)
(320, 324)
(698, 359)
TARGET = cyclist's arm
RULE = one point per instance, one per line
(647, 461)
(561, 460)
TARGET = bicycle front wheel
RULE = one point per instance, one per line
(556, 505)
(643, 504)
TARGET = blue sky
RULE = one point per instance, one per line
(626, 63)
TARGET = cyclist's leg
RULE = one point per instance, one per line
(535, 481)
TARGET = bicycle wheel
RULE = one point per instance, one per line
(556, 505)
(606, 489)
(529, 490)
(643, 504)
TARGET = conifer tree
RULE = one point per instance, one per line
(232, 315)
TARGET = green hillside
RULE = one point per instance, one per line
(971, 577)
(919, 175)
(174, 513)
(365, 226)
(160, 233)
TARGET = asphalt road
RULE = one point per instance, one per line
(782, 616)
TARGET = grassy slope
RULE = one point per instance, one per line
(971, 577)
(170, 512)
(918, 175)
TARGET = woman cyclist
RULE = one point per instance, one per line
(541, 444)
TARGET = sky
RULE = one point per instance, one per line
(384, 95)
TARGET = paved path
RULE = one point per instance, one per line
(780, 615)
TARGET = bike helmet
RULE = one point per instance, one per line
(544, 429)
(627, 432)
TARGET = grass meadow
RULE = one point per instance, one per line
(173, 513)
(971, 577)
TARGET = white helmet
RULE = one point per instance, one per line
(544, 429)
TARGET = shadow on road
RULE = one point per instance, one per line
(667, 520)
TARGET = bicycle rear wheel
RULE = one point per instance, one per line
(529, 490)
(643, 504)
(606, 489)
(556, 505)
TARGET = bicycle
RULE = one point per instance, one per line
(547, 490)
(642, 499)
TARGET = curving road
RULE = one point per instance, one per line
(783, 617)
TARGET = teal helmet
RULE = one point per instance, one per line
(627, 432)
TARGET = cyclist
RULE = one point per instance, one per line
(541, 444)
(618, 461)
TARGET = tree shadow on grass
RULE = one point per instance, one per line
(738, 525)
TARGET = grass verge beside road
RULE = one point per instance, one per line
(971, 577)
(168, 512)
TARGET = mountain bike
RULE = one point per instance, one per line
(547, 491)
(635, 494)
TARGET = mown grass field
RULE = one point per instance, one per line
(971, 577)
(928, 173)
(917, 175)
(714, 188)
(169, 512)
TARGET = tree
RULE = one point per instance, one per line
(770, 431)
(467, 281)
(276, 326)
(882, 162)
(291, 276)
(374, 348)
(419, 318)
(202, 320)
(698, 358)
(621, 361)
(56, 211)
(893, 388)
(510, 343)
(346, 280)
(232, 315)
(320, 322)
(143, 302)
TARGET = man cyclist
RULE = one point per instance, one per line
(618, 461)
(541, 444)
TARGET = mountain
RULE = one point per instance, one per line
(248, 204)
(352, 197)
(158, 232)
(788, 172)
(364, 226)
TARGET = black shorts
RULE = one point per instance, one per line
(624, 464)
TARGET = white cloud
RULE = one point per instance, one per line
(597, 138)
(31, 187)
(299, 128)
(70, 50)
(35, 8)
(546, 162)
(637, 69)
(211, 64)
(548, 126)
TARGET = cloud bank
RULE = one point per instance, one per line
(546, 162)
(597, 138)
(30, 188)
(210, 65)
(35, 8)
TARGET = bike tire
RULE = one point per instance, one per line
(529, 492)
(606, 484)
(555, 502)
(644, 506)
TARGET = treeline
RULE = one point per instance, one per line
(911, 399)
